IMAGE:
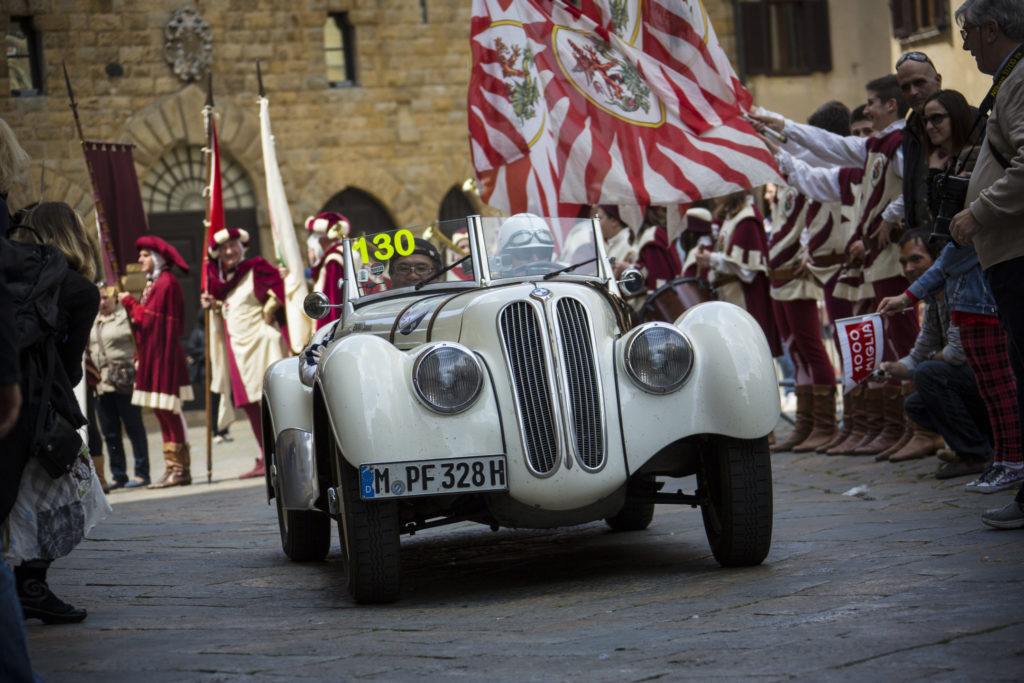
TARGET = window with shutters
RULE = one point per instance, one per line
(919, 18)
(784, 37)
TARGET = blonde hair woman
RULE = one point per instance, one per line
(52, 515)
(58, 224)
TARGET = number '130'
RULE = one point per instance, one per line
(403, 245)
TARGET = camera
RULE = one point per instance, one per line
(952, 192)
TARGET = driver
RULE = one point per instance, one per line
(523, 239)
(411, 269)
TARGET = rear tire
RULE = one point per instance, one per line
(736, 477)
(369, 539)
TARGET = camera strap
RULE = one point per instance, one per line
(986, 106)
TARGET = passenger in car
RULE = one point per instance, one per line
(411, 269)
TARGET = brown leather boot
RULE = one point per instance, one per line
(97, 463)
(907, 388)
(804, 422)
(823, 417)
(875, 412)
(923, 443)
(892, 423)
(854, 413)
(176, 456)
(849, 401)
(169, 450)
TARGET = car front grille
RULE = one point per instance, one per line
(524, 348)
(527, 356)
(584, 392)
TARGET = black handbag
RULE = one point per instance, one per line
(121, 375)
(56, 443)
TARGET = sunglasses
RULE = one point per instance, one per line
(419, 269)
(935, 119)
(914, 57)
(523, 238)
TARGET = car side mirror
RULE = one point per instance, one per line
(633, 283)
(316, 305)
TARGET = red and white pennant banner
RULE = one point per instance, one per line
(861, 341)
(621, 102)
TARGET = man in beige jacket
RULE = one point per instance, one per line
(993, 32)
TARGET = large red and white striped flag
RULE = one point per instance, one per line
(618, 101)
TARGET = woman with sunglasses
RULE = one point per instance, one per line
(947, 124)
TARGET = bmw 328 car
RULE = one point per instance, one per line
(510, 386)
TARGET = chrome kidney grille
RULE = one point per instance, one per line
(527, 356)
(581, 374)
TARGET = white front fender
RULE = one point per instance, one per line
(732, 389)
(376, 417)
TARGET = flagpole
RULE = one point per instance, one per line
(110, 270)
(204, 283)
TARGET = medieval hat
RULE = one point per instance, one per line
(223, 235)
(329, 223)
(170, 254)
(698, 221)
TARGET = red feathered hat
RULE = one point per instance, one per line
(221, 236)
(330, 223)
(154, 243)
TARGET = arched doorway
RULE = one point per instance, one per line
(172, 195)
(363, 211)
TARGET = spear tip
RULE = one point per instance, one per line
(259, 79)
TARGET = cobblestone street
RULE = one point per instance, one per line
(899, 582)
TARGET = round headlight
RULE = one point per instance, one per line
(447, 378)
(658, 358)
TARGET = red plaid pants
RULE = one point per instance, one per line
(985, 346)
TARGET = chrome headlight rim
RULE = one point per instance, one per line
(639, 332)
(418, 389)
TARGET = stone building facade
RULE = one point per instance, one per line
(388, 147)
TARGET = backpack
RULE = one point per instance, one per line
(34, 274)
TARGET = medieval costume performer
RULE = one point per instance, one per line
(327, 260)
(739, 263)
(656, 258)
(248, 330)
(161, 380)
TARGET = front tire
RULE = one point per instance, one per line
(635, 516)
(736, 477)
(369, 539)
(305, 534)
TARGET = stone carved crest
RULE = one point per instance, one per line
(188, 44)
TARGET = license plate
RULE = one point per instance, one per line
(433, 477)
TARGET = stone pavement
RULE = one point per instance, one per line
(900, 582)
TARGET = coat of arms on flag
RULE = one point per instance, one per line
(861, 341)
(615, 101)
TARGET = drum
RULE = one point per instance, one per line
(672, 299)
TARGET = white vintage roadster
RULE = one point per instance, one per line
(517, 394)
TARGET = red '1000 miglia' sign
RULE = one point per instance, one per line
(860, 343)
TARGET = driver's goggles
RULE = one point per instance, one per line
(523, 238)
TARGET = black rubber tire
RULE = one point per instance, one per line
(736, 476)
(305, 534)
(369, 539)
(635, 516)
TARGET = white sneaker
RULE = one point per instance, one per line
(219, 439)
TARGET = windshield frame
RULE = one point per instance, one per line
(482, 274)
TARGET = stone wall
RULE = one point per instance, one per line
(400, 134)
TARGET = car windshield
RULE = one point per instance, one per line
(441, 253)
(525, 245)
